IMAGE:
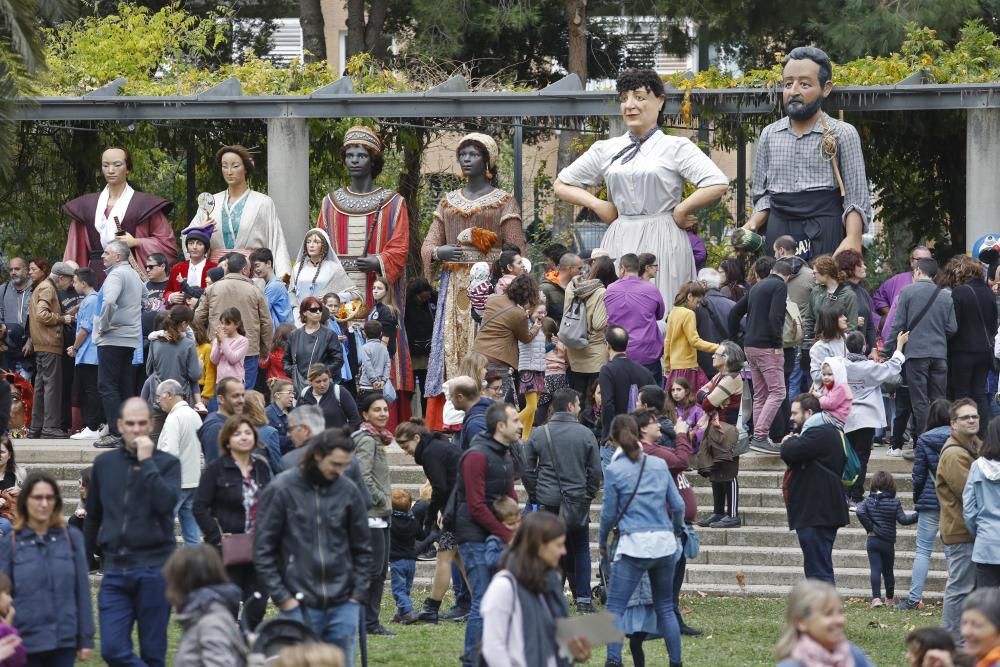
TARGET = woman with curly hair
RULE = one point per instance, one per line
(852, 264)
(505, 323)
(645, 171)
(970, 351)
(831, 289)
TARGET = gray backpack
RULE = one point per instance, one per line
(573, 330)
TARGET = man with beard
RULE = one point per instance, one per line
(809, 173)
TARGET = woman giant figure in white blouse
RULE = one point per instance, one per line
(644, 171)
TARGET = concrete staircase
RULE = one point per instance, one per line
(761, 558)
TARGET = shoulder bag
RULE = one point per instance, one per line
(575, 512)
(615, 533)
(237, 548)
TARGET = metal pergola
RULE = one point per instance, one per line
(287, 117)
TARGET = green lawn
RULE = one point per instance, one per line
(738, 632)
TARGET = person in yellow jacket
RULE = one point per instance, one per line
(682, 342)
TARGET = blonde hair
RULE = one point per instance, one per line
(472, 364)
(505, 508)
(253, 407)
(426, 492)
(807, 597)
(307, 655)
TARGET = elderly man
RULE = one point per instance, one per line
(46, 323)
(554, 284)
(180, 438)
(236, 290)
(117, 332)
(712, 317)
(15, 298)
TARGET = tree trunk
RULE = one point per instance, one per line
(576, 22)
(313, 33)
(365, 21)
(355, 42)
(408, 186)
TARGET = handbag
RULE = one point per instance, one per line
(389, 392)
(615, 533)
(237, 548)
(692, 543)
(575, 512)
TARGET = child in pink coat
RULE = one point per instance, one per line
(229, 346)
(835, 395)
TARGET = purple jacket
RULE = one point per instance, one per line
(886, 296)
(637, 305)
(698, 250)
(20, 657)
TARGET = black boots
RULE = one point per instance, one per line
(429, 614)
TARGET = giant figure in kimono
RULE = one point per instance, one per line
(242, 219)
(118, 212)
(369, 228)
(494, 219)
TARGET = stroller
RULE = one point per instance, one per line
(274, 635)
(600, 591)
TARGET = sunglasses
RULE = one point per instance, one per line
(153, 266)
(314, 310)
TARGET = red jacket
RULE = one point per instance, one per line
(179, 273)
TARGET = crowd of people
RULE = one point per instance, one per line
(251, 400)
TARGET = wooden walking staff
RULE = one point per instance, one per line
(133, 262)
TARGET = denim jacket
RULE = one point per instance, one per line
(646, 512)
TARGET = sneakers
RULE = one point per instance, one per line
(876, 602)
(727, 522)
(890, 602)
(909, 604)
(86, 434)
(405, 619)
(106, 442)
(585, 608)
(709, 520)
(104, 430)
(894, 452)
(909, 454)
(429, 555)
(765, 446)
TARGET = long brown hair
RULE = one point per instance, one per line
(176, 318)
(691, 288)
(625, 434)
(21, 518)
(521, 558)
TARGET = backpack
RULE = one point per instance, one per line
(852, 464)
(573, 330)
(791, 332)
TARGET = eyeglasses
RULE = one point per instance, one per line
(967, 418)
(314, 310)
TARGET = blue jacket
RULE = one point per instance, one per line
(925, 463)
(51, 588)
(981, 510)
(474, 422)
(279, 420)
(880, 511)
(656, 492)
(208, 434)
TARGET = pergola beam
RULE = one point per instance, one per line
(442, 102)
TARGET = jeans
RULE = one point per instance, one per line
(336, 625)
(115, 381)
(767, 372)
(927, 380)
(463, 597)
(402, 581)
(578, 551)
(656, 368)
(185, 514)
(46, 413)
(5, 526)
(473, 555)
(625, 576)
(250, 368)
(881, 561)
(125, 598)
(861, 442)
(606, 454)
(961, 582)
(927, 530)
(60, 657)
(795, 380)
(816, 543)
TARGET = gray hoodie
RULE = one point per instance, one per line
(119, 323)
(865, 378)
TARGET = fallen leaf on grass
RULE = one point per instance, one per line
(704, 595)
(876, 624)
(741, 580)
(685, 609)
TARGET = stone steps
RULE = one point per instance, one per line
(761, 558)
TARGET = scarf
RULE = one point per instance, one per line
(539, 612)
(809, 653)
(383, 434)
(990, 659)
(105, 224)
(630, 151)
